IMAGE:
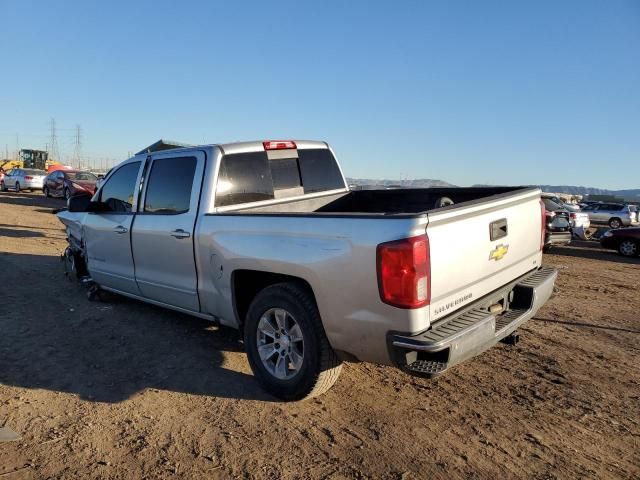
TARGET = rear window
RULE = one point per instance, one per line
(32, 171)
(82, 176)
(244, 178)
(253, 177)
(319, 170)
(285, 173)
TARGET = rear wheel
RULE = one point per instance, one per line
(45, 190)
(286, 344)
(3, 187)
(17, 187)
(615, 223)
(628, 248)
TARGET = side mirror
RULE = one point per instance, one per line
(80, 203)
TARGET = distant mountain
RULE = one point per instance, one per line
(632, 194)
(628, 194)
(417, 183)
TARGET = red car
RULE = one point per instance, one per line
(625, 240)
(67, 183)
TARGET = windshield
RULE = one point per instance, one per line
(550, 204)
(82, 176)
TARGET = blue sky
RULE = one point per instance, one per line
(469, 92)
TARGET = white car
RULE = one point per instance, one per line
(23, 179)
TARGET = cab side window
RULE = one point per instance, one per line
(118, 193)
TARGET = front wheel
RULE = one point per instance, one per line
(615, 223)
(45, 190)
(67, 194)
(286, 344)
(628, 248)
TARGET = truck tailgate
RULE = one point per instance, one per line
(479, 247)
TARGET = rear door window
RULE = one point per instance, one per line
(169, 186)
(118, 192)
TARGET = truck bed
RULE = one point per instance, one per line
(405, 202)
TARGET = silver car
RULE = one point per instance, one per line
(615, 215)
(23, 179)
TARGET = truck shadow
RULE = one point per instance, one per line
(53, 338)
(592, 250)
(19, 233)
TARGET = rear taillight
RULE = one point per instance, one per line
(573, 215)
(404, 272)
(28, 177)
(543, 223)
(279, 144)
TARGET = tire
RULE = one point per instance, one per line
(66, 194)
(17, 187)
(3, 187)
(615, 223)
(629, 248)
(45, 190)
(319, 365)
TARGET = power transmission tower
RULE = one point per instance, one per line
(77, 149)
(54, 151)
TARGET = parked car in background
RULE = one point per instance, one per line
(626, 241)
(557, 224)
(67, 183)
(616, 215)
(22, 179)
(568, 206)
(579, 220)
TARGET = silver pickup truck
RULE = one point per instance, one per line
(266, 237)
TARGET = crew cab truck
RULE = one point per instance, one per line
(266, 237)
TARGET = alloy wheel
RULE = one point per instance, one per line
(280, 343)
(628, 248)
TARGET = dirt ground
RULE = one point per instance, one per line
(126, 390)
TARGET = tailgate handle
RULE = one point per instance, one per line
(498, 229)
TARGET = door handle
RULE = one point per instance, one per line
(120, 229)
(180, 233)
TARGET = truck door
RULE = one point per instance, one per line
(108, 233)
(163, 231)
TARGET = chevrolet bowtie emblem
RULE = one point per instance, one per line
(498, 252)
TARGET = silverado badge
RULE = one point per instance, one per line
(498, 252)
